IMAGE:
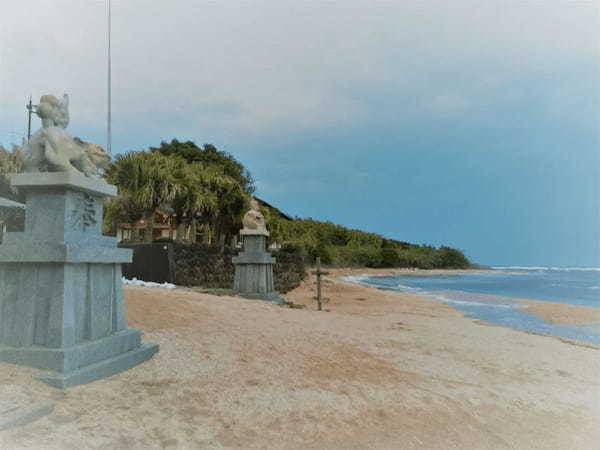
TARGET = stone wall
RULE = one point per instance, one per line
(205, 265)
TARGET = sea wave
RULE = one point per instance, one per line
(364, 280)
(407, 288)
(445, 299)
(368, 280)
(564, 269)
(357, 279)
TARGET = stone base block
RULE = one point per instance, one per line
(72, 358)
(85, 362)
(103, 369)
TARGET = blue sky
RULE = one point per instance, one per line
(448, 123)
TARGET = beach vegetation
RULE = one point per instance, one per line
(339, 246)
(146, 182)
(206, 190)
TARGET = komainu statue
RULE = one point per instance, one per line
(52, 149)
(253, 219)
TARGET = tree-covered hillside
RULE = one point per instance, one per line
(343, 247)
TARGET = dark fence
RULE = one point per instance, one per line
(151, 262)
(204, 265)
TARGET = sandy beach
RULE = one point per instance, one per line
(378, 370)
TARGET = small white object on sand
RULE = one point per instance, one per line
(136, 282)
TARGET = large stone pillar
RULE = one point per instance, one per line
(61, 295)
(254, 268)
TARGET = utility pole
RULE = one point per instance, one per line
(30, 107)
(108, 118)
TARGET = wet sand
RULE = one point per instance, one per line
(562, 314)
(380, 370)
(552, 312)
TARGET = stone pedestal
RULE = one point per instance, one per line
(254, 268)
(61, 296)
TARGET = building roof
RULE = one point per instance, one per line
(262, 202)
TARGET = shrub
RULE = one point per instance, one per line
(389, 257)
(452, 258)
(290, 269)
(210, 266)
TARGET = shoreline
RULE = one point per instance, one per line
(399, 271)
(552, 312)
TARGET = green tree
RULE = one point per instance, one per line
(209, 155)
(389, 257)
(452, 258)
(194, 196)
(224, 178)
(146, 182)
(201, 192)
(342, 247)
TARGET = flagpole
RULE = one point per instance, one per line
(108, 118)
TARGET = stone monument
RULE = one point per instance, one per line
(254, 265)
(61, 295)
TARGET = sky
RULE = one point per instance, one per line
(466, 123)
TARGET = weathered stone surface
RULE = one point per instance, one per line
(253, 257)
(29, 252)
(51, 149)
(253, 220)
(250, 232)
(61, 299)
(254, 268)
(81, 183)
(103, 369)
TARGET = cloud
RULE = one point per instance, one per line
(256, 67)
(424, 112)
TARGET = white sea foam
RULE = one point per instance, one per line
(357, 279)
(408, 288)
(564, 269)
(362, 279)
(445, 299)
(136, 282)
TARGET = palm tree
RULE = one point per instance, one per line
(193, 197)
(233, 204)
(146, 182)
(122, 209)
(200, 193)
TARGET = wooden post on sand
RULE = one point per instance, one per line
(319, 298)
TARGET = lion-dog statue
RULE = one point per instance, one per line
(52, 149)
(253, 219)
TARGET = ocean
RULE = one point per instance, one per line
(491, 295)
